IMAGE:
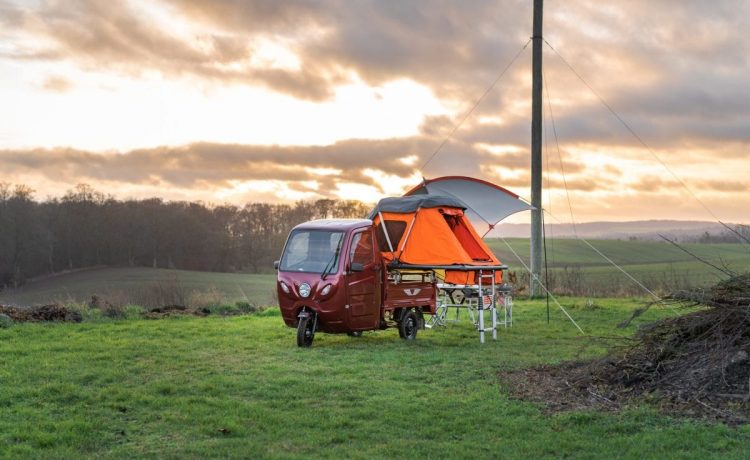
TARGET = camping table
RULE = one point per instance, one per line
(481, 297)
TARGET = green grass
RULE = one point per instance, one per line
(651, 262)
(657, 264)
(239, 387)
(113, 282)
(563, 252)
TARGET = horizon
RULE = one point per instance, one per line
(225, 102)
(212, 205)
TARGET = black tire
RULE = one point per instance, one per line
(305, 331)
(354, 334)
(408, 326)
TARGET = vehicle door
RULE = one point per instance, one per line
(363, 282)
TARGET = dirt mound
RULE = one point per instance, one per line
(52, 312)
(171, 310)
(695, 364)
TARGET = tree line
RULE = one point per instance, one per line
(87, 228)
(735, 234)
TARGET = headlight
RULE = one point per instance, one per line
(326, 289)
(304, 290)
(284, 287)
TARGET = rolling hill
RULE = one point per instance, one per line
(574, 267)
(640, 229)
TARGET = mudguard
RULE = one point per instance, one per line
(309, 313)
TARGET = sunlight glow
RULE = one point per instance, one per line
(391, 184)
(355, 191)
(114, 112)
(324, 171)
(278, 188)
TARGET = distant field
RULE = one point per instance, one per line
(563, 252)
(123, 282)
(658, 265)
(576, 269)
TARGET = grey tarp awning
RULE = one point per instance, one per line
(486, 203)
(408, 204)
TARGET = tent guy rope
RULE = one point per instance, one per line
(474, 107)
(554, 299)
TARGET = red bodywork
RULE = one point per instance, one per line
(357, 300)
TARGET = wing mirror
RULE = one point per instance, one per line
(357, 267)
(276, 264)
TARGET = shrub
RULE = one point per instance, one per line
(209, 300)
(224, 309)
(133, 311)
(270, 312)
(5, 321)
(246, 307)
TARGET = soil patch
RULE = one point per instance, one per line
(697, 364)
(52, 312)
(171, 310)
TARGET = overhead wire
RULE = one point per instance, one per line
(474, 107)
(549, 200)
(559, 157)
(536, 279)
(643, 143)
(570, 205)
(546, 267)
(546, 177)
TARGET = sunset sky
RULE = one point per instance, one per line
(239, 101)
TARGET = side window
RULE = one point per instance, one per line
(361, 251)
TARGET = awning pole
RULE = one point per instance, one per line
(408, 232)
(385, 231)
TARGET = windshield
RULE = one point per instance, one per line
(312, 251)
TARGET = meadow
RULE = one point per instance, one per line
(575, 269)
(130, 284)
(239, 387)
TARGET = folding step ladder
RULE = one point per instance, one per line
(485, 296)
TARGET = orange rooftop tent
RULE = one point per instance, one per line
(431, 231)
(434, 226)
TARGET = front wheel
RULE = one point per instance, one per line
(305, 331)
(408, 326)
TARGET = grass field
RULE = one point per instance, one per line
(118, 282)
(658, 265)
(563, 252)
(239, 387)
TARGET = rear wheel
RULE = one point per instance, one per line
(305, 331)
(408, 326)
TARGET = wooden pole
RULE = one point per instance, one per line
(536, 151)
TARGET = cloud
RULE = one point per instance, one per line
(730, 186)
(675, 71)
(220, 164)
(667, 72)
(121, 37)
(57, 84)
(361, 169)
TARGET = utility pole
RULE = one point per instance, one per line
(536, 151)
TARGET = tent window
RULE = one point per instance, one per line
(396, 230)
(464, 236)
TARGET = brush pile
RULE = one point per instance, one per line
(52, 312)
(694, 364)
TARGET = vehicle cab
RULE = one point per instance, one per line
(330, 272)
